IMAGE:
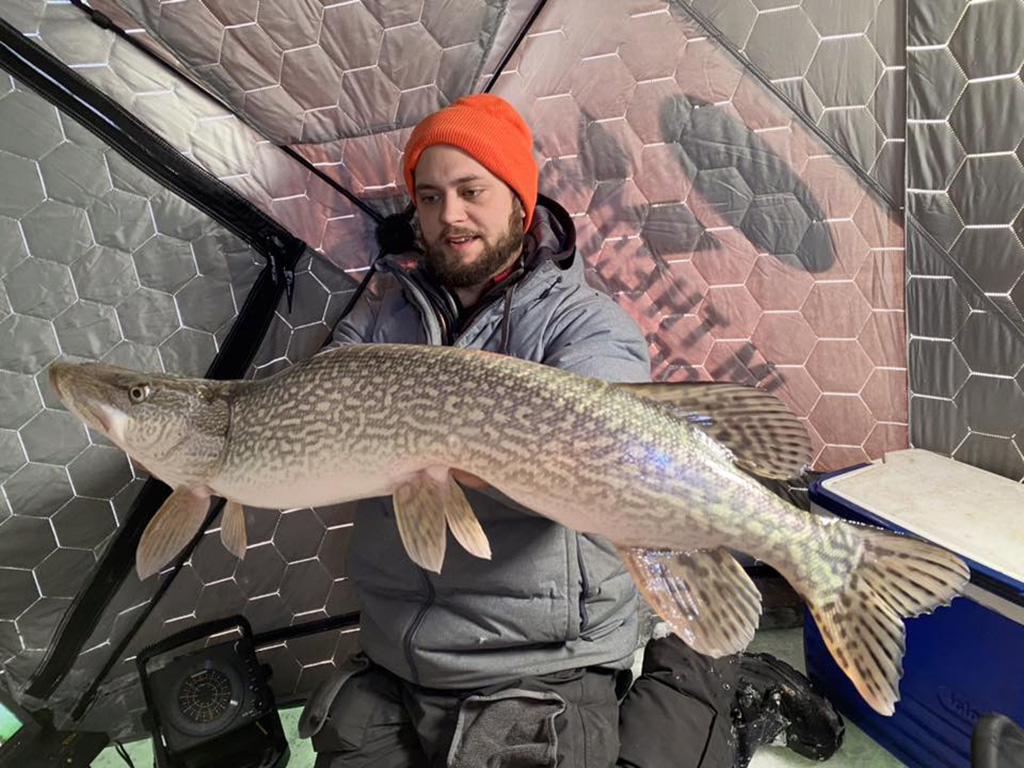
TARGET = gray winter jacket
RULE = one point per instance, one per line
(550, 599)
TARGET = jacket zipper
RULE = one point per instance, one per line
(491, 302)
(584, 586)
(451, 340)
(411, 634)
(478, 312)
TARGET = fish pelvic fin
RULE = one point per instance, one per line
(862, 626)
(179, 519)
(232, 529)
(704, 595)
(425, 507)
(463, 522)
(764, 436)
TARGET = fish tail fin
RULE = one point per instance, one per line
(862, 623)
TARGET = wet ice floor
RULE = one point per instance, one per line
(858, 750)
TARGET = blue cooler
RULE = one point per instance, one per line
(962, 661)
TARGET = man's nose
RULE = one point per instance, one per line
(453, 210)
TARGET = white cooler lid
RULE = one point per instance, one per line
(977, 514)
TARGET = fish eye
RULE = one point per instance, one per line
(138, 393)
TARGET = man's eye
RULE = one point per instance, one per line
(472, 193)
(428, 199)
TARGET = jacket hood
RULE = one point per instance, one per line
(549, 257)
(552, 236)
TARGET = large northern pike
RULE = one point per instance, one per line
(654, 468)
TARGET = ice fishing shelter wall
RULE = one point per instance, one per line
(99, 262)
(128, 273)
(673, 210)
(744, 240)
(965, 195)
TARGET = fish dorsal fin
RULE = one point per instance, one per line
(424, 508)
(764, 436)
(179, 519)
(232, 529)
(704, 595)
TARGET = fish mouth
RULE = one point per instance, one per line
(102, 418)
(57, 373)
(78, 399)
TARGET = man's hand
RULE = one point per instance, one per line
(469, 480)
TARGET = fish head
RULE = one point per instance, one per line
(176, 427)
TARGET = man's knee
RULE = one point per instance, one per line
(367, 725)
(678, 712)
(569, 719)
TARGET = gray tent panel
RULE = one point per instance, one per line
(342, 83)
(965, 257)
(104, 265)
(200, 128)
(841, 65)
(159, 284)
(310, 72)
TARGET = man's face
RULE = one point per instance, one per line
(472, 222)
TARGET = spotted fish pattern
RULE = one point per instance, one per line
(662, 471)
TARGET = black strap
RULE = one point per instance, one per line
(45, 74)
(332, 624)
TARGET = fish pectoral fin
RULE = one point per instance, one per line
(704, 595)
(764, 436)
(179, 519)
(463, 521)
(232, 529)
(862, 624)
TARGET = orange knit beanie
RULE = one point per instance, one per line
(489, 130)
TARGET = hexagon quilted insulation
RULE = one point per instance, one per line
(735, 169)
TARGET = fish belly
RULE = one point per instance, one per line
(312, 491)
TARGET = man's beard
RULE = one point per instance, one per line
(449, 270)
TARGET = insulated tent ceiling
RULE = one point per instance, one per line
(195, 187)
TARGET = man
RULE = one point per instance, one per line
(520, 660)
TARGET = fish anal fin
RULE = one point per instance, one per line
(179, 519)
(232, 529)
(862, 624)
(764, 436)
(704, 595)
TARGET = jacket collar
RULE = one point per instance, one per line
(549, 255)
